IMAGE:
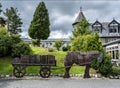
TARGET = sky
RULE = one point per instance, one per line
(62, 13)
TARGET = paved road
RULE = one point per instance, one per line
(60, 83)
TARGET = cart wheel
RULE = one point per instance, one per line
(45, 72)
(19, 71)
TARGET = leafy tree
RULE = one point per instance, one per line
(14, 22)
(58, 44)
(39, 27)
(82, 28)
(87, 43)
(85, 40)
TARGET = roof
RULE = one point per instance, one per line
(79, 17)
(112, 42)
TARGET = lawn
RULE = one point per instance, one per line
(6, 67)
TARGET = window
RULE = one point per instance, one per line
(113, 27)
(97, 26)
(117, 54)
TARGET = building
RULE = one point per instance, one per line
(108, 31)
(49, 43)
(113, 48)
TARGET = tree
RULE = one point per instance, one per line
(39, 27)
(0, 8)
(85, 40)
(14, 22)
(87, 43)
(82, 28)
(58, 44)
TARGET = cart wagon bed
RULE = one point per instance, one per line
(44, 61)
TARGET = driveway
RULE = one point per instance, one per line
(58, 82)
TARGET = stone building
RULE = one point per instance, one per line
(108, 31)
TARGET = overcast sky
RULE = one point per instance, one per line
(62, 13)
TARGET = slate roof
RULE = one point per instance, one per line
(105, 26)
(79, 18)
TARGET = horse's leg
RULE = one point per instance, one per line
(67, 69)
(86, 74)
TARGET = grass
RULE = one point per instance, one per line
(6, 67)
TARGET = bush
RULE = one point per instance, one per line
(51, 50)
(21, 48)
(105, 67)
(35, 42)
(115, 71)
(66, 48)
(15, 38)
(5, 42)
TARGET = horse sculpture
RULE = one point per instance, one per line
(82, 59)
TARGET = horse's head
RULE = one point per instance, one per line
(100, 57)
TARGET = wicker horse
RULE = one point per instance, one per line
(82, 59)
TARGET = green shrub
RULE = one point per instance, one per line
(5, 42)
(115, 71)
(51, 50)
(105, 67)
(35, 42)
(66, 48)
(15, 38)
(21, 48)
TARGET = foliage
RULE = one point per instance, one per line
(105, 67)
(20, 49)
(82, 28)
(39, 27)
(115, 71)
(35, 42)
(15, 38)
(58, 44)
(12, 44)
(86, 43)
(5, 45)
(66, 48)
(5, 42)
(0, 8)
(51, 50)
(3, 31)
(83, 39)
(13, 20)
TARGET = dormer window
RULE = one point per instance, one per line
(97, 26)
(113, 27)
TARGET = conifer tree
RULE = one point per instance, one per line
(39, 27)
(0, 8)
(14, 22)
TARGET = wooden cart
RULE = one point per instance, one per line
(44, 61)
